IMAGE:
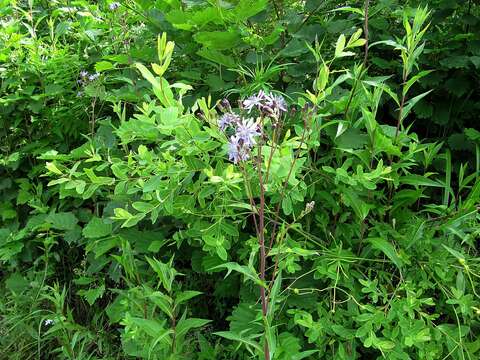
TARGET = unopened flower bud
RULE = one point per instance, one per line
(226, 105)
(309, 207)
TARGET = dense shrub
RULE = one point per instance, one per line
(236, 180)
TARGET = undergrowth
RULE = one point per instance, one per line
(239, 180)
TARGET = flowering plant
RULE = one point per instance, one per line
(245, 134)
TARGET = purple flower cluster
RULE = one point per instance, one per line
(114, 6)
(241, 143)
(269, 104)
(85, 78)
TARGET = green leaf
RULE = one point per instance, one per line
(217, 57)
(221, 252)
(16, 283)
(242, 269)
(62, 221)
(134, 220)
(92, 295)
(148, 75)
(153, 328)
(340, 45)
(274, 294)
(391, 43)
(53, 168)
(459, 256)
(411, 103)
(388, 249)
(164, 302)
(102, 246)
(349, 9)
(185, 296)
(185, 325)
(473, 197)
(103, 65)
(130, 220)
(460, 282)
(248, 8)
(218, 40)
(361, 208)
(96, 228)
(153, 183)
(287, 205)
(166, 273)
(384, 345)
(239, 338)
(414, 79)
(143, 206)
(419, 180)
(58, 181)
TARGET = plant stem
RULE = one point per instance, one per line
(250, 197)
(402, 103)
(174, 335)
(365, 31)
(365, 57)
(400, 114)
(92, 121)
(261, 240)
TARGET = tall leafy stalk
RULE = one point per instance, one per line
(411, 48)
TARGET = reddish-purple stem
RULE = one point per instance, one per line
(261, 240)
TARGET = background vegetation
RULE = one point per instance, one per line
(352, 232)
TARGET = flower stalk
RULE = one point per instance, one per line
(243, 135)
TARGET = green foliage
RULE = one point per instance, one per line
(351, 232)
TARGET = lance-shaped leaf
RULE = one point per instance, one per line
(411, 103)
(242, 269)
(387, 248)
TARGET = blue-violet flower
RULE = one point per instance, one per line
(94, 77)
(236, 150)
(276, 104)
(254, 101)
(246, 131)
(227, 120)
